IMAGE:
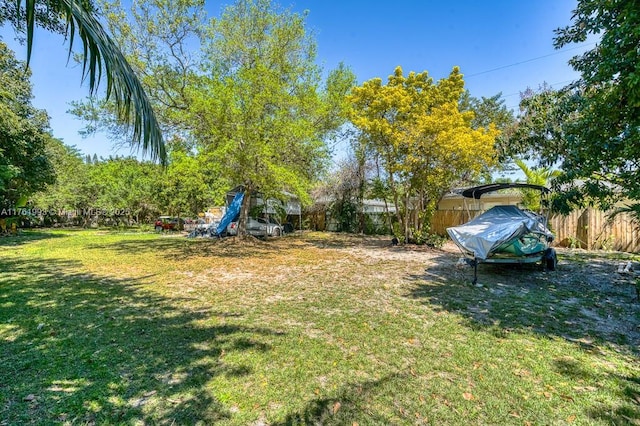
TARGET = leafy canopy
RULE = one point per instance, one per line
(139, 190)
(591, 128)
(425, 143)
(242, 93)
(24, 132)
(262, 109)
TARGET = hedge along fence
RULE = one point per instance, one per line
(590, 229)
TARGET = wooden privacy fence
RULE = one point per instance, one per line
(590, 229)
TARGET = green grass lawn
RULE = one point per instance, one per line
(115, 328)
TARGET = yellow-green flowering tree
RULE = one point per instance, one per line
(426, 145)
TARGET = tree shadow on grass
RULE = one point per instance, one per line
(581, 302)
(235, 248)
(182, 247)
(350, 405)
(337, 240)
(27, 236)
(82, 348)
(584, 302)
(178, 246)
(620, 414)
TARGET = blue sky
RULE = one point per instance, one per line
(501, 46)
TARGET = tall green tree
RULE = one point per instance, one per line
(263, 111)
(72, 189)
(591, 128)
(249, 98)
(161, 41)
(487, 111)
(190, 183)
(127, 189)
(101, 57)
(24, 133)
(490, 111)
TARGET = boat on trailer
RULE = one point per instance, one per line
(505, 234)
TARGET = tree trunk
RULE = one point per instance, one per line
(386, 205)
(407, 214)
(392, 187)
(361, 185)
(244, 211)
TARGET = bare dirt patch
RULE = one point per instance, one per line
(585, 299)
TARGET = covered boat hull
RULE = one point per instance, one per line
(503, 234)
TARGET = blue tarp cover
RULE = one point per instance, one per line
(231, 213)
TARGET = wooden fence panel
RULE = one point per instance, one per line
(589, 229)
(573, 229)
(443, 219)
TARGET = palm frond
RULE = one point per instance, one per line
(632, 211)
(528, 173)
(101, 54)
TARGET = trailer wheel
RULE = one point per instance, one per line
(550, 259)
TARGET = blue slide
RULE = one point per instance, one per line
(232, 212)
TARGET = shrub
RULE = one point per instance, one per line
(424, 237)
